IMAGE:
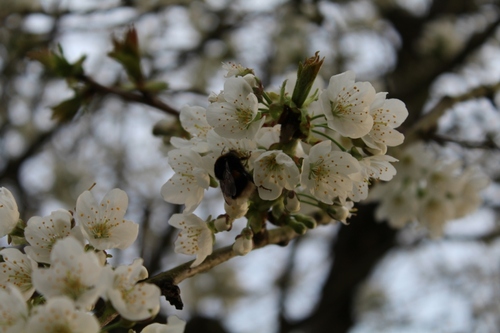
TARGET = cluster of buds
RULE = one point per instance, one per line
(65, 262)
(273, 152)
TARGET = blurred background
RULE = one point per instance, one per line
(365, 277)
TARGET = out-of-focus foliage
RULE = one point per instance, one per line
(440, 57)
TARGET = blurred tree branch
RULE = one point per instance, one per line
(128, 96)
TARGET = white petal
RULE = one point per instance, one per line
(9, 214)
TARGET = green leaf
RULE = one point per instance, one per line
(66, 110)
(57, 64)
(127, 53)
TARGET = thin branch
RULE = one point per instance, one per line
(168, 281)
(487, 144)
(430, 119)
(178, 274)
(130, 96)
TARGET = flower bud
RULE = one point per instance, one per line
(235, 211)
(292, 203)
(223, 223)
(308, 70)
(339, 213)
(243, 243)
(308, 221)
(298, 227)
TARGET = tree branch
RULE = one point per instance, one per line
(279, 236)
(428, 122)
(129, 96)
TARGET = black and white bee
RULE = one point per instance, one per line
(235, 182)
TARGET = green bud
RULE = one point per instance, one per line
(298, 227)
(306, 75)
(308, 221)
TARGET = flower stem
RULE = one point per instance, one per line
(318, 116)
(331, 139)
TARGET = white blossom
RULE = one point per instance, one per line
(194, 238)
(266, 136)
(13, 311)
(346, 105)
(433, 213)
(398, 206)
(372, 167)
(9, 214)
(194, 120)
(187, 186)
(236, 116)
(60, 315)
(273, 171)
(426, 189)
(416, 161)
(103, 224)
(343, 212)
(471, 183)
(132, 299)
(42, 233)
(441, 38)
(233, 69)
(73, 273)
(443, 179)
(17, 269)
(387, 115)
(326, 172)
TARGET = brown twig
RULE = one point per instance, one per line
(178, 274)
(430, 119)
(129, 96)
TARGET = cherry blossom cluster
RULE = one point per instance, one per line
(66, 264)
(428, 190)
(301, 146)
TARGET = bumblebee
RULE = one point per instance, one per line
(235, 182)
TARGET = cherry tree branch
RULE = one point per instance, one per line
(279, 236)
(489, 143)
(429, 121)
(129, 96)
(168, 280)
